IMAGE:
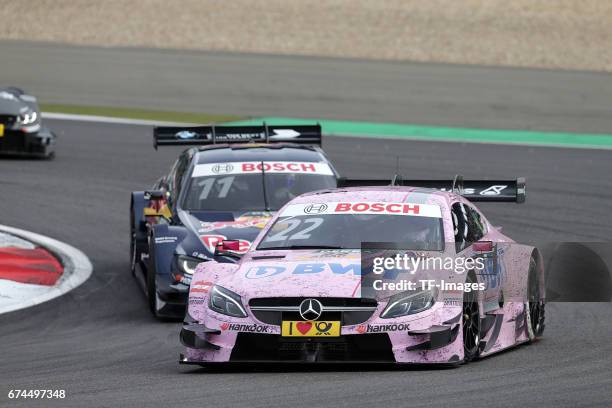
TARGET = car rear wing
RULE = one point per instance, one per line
(473, 190)
(206, 135)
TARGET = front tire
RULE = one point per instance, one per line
(151, 283)
(133, 246)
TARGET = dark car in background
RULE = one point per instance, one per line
(21, 128)
(226, 187)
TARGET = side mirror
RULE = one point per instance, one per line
(483, 246)
(152, 212)
(228, 247)
(154, 195)
(163, 213)
(158, 205)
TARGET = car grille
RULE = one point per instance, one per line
(13, 141)
(371, 347)
(349, 311)
(8, 120)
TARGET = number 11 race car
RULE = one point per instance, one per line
(225, 187)
(303, 291)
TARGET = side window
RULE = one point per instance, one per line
(182, 165)
(476, 226)
(172, 182)
(168, 183)
(460, 226)
(468, 225)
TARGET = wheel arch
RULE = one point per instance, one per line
(137, 218)
(539, 259)
(163, 242)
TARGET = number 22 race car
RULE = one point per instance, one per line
(400, 273)
(227, 187)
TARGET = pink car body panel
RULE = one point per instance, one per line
(257, 275)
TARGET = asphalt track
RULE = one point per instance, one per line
(101, 345)
(310, 87)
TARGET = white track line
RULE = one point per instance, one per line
(108, 119)
(77, 267)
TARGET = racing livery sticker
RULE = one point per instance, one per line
(257, 272)
(186, 134)
(249, 328)
(380, 328)
(453, 301)
(200, 286)
(244, 221)
(329, 253)
(310, 328)
(165, 240)
(387, 208)
(196, 301)
(211, 241)
(255, 167)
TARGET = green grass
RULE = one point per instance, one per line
(162, 116)
(447, 134)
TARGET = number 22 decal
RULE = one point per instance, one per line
(293, 224)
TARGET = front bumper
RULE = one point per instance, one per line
(171, 298)
(16, 142)
(426, 343)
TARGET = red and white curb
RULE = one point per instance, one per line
(28, 290)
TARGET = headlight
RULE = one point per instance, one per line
(188, 264)
(407, 303)
(226, 302)
(27, 118)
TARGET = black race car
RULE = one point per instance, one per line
(21, 130)
(227, 187)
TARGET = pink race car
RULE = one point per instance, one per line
(351, 275)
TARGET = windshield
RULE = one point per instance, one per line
(338, 225)
(240, 186)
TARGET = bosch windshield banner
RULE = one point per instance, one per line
(365, 208)
(254, 167)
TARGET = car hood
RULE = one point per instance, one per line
(316, 273)
(212, 228)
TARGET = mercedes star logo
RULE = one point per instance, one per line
(311, 309)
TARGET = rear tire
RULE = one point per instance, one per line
(535, 305)
(471, 323)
